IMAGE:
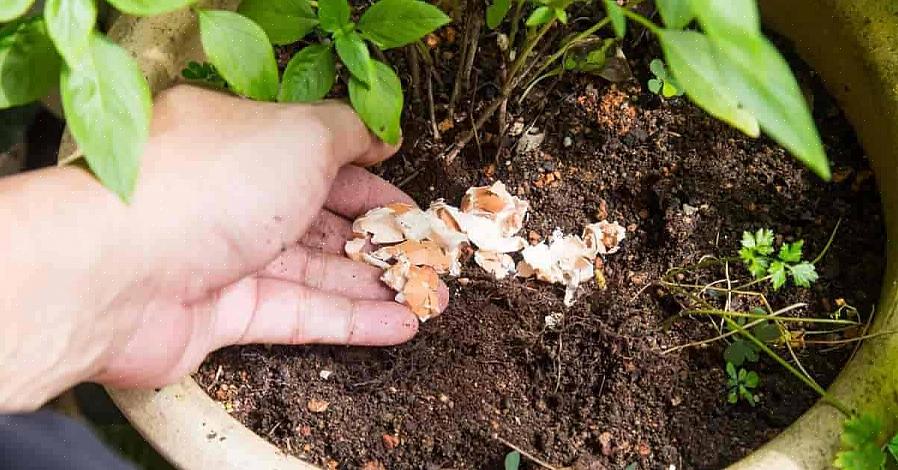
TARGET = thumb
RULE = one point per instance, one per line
(353, 142)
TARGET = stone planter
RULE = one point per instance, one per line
(854, 47)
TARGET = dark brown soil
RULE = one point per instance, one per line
(596, 392)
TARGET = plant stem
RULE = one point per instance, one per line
(521, 59)
(515, 25)
(829, 243)
(645, 22)
(852, 340)
(838, 404)
(727, 314)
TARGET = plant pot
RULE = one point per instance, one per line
(851, 45)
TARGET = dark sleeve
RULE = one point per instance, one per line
(48, 441)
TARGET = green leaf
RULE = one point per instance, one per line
(540, 16)
(764, 241)
(204, 72)
(747, 396)
(803, 274)
(777, 273)
(69, 23)
(740, 351)
(241, 52)
(561, 15)
(748, 240)
(692, 61)
(333, 14)
(722, 16)
(860, 430)
(758, 76)
(29, 64)
(791, 252)
(284, 21)
(732, 397)
(675, 13)
(860, 444)
(380, 104)
(513, 460)
(668, 90)
(893, 447)
(731, 371)
(12, 9)
(589, 56)
(656, 66)
(108, 106)
(149, 7)
(766, 332)
(395, 23)
(757, 264)
(751, 380)
(309, 75)
(355, 55)
(618, 20)
(655, 85)
(867, 457)
(496, 12)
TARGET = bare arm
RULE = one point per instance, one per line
(233, 236)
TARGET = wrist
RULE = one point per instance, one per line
(53, 335)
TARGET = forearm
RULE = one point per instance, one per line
(53, 250)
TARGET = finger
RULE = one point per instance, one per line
(356, 191)
(352, 141)
(328, 233)
(327, 272)
(282, 312)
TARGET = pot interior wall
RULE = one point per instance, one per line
(853, 45)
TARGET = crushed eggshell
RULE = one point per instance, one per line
(604, 237)
(415, 246)
(496, 203)
(500, 265)
(418, 253)
(381, 224)
(566, 260)
(421, 292)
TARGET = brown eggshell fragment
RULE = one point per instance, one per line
(565, 260)
(396, 276)
(420, 292)
(354, 247)
(381, 224)
(418, 253)
(500, 265)
(604, 237)
(496, 203)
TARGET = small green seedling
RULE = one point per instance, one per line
(513, 460)
(862, 444)
(757, 254)
(663, 84)
(741, 385)
(548, 10)
(742, 350)
(204, 73)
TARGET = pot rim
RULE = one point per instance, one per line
(193, 431)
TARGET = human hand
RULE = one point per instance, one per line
(234, 236)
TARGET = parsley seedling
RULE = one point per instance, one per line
(663, 84)
(741, 350)
(860, 444)
(757, 254)
(741, 385)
